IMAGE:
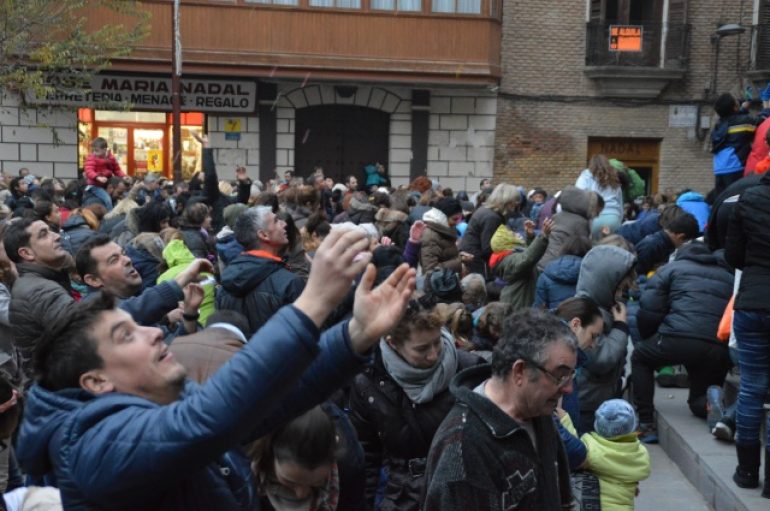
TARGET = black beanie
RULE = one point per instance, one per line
(449, 206)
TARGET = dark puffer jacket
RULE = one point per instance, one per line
(74, 233)
(688, 296)
(557, 282)
(653, 250)
(393, 430)
(748, 246)
(635, 232)
(477, 239)
(257, 287)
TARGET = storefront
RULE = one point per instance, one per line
(141, 141)
(132, 111)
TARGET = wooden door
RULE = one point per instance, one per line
(340, 138)
(640, 154)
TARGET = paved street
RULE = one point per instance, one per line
(668, 489)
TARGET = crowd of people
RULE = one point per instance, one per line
(309, 345)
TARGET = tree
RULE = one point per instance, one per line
(55, 45)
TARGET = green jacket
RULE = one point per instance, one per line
(178, 257)
(520, 273)
(619, 463)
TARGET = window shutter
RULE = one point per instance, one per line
(677, 12)
(763, 36)
(597, 10)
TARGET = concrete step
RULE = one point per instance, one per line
(707, 462)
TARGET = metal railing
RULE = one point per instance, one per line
(760, 47)
(663, 46)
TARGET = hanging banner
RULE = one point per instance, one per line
(154, 93)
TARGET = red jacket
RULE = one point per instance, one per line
(759, 149)
(105, 167)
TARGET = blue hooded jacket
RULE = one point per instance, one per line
(124, 452)
(557, 282)
(695, 204)
(635, 232)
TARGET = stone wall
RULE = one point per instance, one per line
(43, 140)
(229, 154)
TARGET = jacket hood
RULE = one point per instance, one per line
(386, 215)
(45, 412)
(149, 242)
(564, 270)
(224, 234)
(176, 253)
(602, 269)
(75, 222)
(246, 271)
(435, 216)
(690, 197)
(699, 252)
(577, 201)
(357, 204)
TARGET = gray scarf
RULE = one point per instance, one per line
(421, 385)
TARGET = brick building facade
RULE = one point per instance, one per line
(559, 103)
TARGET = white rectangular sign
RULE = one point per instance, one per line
(682, 116)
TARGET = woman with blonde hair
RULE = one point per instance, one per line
(483, 224)
(602, 178)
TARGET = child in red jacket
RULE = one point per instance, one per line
(100, 166)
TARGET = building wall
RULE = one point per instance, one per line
(548, 108)
(229, 154)
(43, 140)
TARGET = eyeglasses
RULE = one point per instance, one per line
(560, 381)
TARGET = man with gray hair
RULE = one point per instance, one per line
(258, 282)
(498, 448)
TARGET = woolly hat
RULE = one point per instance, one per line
(232, 212)
(614, 418)
(764, 94)
(449, 206)
(505, 239)
(386, 258)
(444, 284)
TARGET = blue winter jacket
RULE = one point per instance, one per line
(228, 248)
(635, 232)
(695, 204)
(653, 250)
(124, 452)
(557, 282)
(145, 264)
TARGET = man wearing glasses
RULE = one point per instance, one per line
(498, 448)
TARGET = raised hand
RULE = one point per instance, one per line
(415, 232)
(342, 256)
(548, 224)
(377, 311)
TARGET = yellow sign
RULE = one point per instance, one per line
(232, 125)
(626, 38)
(154, 160)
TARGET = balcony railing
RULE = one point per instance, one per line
(663, 46)
(760, 48)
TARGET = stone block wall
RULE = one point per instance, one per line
(43, 140)
(229, 154)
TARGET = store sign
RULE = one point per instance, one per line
(626, 38)
(154, 93)
(682, 116)
(232, 129)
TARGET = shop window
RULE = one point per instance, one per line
(457, 6)
(120, 116)
(340, 4)
(398, 5)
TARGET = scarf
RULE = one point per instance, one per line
(284, 499)
(421, 385)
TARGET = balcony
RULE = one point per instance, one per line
(300, 41)
(642, 74)
(759, 64)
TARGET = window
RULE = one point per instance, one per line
(390, 5)
(457, 6)
(273, 2)
(340, 4)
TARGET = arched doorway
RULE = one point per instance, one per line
(340, 138)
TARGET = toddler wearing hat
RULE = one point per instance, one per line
(615, 454)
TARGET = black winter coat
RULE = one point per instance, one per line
(653, 250)
(688, 296)
(393, 430)
(257, 287)
(477, 239)
(748, 246)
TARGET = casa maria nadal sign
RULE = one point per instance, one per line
(154, 93)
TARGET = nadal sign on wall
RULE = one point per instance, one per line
(154, 93)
